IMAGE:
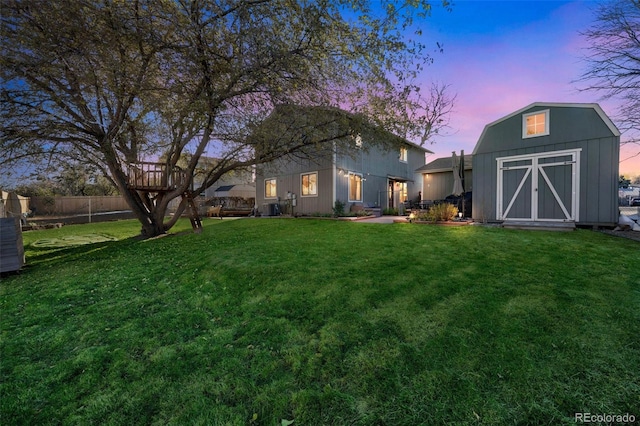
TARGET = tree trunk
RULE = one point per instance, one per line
(145, 210)
(150, 212)
(152, 229)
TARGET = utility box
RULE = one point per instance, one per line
(270, 209)
(11, 246)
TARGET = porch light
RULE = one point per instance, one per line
(460, 215)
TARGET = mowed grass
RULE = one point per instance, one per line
(320, 323)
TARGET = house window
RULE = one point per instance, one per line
(403, 194)
(309, 184)
(355, 187)
(404, 154)
(535, 124)
(270, 188)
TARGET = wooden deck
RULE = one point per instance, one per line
(158, 177)
(154, 177)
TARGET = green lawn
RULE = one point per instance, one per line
(320, 322)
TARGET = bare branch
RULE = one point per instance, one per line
(613, 61)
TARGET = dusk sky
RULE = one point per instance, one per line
(500, 56)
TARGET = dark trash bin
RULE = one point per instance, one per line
(456, 200)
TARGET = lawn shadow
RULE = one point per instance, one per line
(77, 246)
(64, 249)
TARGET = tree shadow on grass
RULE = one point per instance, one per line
(59, 250)
(74, 247)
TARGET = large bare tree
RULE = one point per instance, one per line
(613, 61)
(111, 83)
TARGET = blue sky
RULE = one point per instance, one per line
(500, 56)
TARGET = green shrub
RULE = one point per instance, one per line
(338, 208)
(440, 213)
(390, 211)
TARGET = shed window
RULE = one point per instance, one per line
(535, 124)
(309, 184)
(355, 187)
(270, 188)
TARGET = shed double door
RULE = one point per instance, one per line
(539, 187)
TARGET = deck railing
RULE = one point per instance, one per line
(147, 176)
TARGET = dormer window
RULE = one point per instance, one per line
(535, 124)
(404, 154)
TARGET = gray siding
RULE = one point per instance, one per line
(376, 166)
(438, 185)
(288, 177)
(566, 124)
(484, 188)
(570, 128)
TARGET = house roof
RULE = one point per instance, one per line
(444, 164)
(240, 190)
(287, 110)
(595, 106)
(415, 145)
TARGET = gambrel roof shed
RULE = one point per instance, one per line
(548, 162)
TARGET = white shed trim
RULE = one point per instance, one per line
(535, 170)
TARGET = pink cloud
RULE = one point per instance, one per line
(497, 73)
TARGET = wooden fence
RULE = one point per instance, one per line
(77, 205)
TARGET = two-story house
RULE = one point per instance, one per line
(371, 173)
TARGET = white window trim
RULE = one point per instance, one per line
(546, 124)
(406, 154)
(349, 187)
(309, 173)
(264, 188)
